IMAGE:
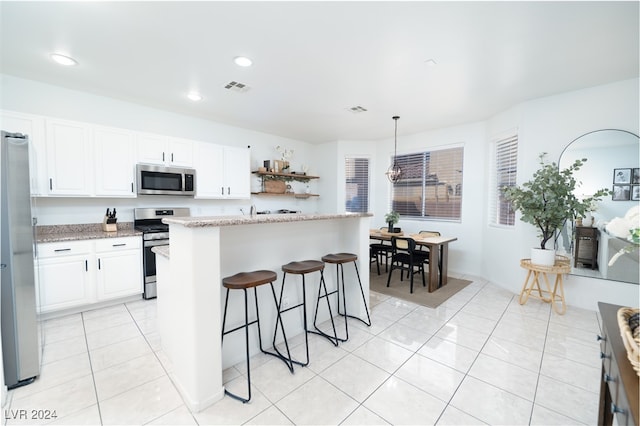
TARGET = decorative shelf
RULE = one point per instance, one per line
(287, 176)
(286, 194)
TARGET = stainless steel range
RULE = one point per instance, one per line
(154, 233)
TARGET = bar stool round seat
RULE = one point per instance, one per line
(339, 259)
(243, 281)
(303, 267)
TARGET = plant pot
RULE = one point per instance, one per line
(543, 257)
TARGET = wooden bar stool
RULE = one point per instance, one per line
(243, 281)
(302, 268)
(339, 260)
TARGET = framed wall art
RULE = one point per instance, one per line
(635, 192)
(621, 192)
(621, 176)
(635, 176)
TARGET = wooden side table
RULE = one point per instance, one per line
(586, 251)
(555, 297)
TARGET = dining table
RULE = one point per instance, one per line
(438, 252)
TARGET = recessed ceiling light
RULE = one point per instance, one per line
(242, 61)
(63, 59)
(194, 96)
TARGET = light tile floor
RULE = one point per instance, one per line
(479, 358)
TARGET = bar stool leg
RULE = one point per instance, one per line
(333, 339)
(246, 334)
(364, 299)
(290, 359)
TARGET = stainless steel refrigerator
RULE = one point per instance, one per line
(20, 344)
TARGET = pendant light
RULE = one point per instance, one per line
(394, 173)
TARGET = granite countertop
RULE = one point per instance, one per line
(161, 251)
(87, 231)
(205, 221)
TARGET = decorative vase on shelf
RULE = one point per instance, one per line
(588, 219)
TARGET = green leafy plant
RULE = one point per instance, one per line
(392, 217)
(548, 201)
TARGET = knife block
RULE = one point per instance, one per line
(109, 225)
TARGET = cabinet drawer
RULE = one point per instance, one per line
(123, 243)
(64, 248)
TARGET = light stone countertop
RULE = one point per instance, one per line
(211, 221)
(87, 231)
(162, 251)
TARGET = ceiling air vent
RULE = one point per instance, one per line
(357, 109)
(236, 86)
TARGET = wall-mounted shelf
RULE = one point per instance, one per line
(286, 176)
(286, 194)
(268, 179)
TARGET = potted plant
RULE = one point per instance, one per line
(548, 201)
(392, 218)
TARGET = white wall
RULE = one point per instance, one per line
(549, 125)
(465, 254)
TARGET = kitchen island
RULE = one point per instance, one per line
(203, 250)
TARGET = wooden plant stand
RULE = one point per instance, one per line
(555, 297)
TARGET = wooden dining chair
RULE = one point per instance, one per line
(405, 257)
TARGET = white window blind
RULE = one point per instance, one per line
(431, 184)
(504, 173)
(356, 184)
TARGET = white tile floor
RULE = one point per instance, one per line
(480, 358)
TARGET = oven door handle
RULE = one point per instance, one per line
(153, 243)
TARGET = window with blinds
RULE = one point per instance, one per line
(431, 185)
(356, 185)
(504, 172)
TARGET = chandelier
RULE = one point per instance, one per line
(394, 173)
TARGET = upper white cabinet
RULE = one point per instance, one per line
(114, 162)
(158, 149)
(237, 172)
(222, 171)
(69, 158)
(34, 127)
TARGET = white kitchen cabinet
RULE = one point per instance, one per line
(69, 158)
(115, 163)
(222, 171)
(64, 277)
(119, 266)
(34, 127)
(163, 150)
(80, 273)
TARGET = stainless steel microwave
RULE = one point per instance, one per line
(162, 180)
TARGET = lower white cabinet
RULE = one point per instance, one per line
(119, 268)
(79, 273)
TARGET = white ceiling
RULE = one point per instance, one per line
(314, 60)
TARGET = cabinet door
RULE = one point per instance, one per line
(69, 158)
(34, 127)
(180, 152)
(119, 274)
(114, 162)
(209, 170)
(151, 148)
(63, 283)
(237, 172)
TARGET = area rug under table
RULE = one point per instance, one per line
(420, 295)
